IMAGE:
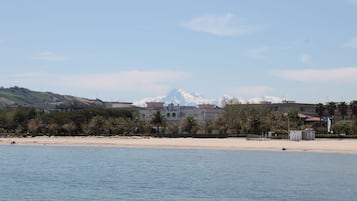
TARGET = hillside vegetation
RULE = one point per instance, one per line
(18, 96)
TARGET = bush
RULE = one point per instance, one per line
(343, 127)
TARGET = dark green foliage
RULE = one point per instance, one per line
(209, 126)
(17, 119)
(237, 120)
(331, 107)
(347, 127)
(294, 119)
(158, 119)
(80, 116)
(342, 107)
(23, 120)
(190, 125)
(244, 118)
(353, 106)
(320, 110)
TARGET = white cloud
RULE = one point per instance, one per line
(49, 56)
(223, 25)
(250, 91)
(135, 81)
(147, 81)
(258, 53)
(341, 75)
(305, 58)
(352, 43)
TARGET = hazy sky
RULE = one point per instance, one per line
(303, 50)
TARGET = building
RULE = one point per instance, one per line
(286, 106)
(174, 114)
(118, 105)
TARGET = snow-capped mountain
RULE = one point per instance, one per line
(181, 97)
(256, 100)
(178, 96)
(271, 99)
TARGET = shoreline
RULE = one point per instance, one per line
(319, 145)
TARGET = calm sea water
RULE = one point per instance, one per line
(94, 173)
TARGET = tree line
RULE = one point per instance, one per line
(23, 121)
(236, 120)
(96, 121)
(342, 124)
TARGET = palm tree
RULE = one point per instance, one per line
(320, 110)
(331, 107)
(158, 120)
(190, 125)
(342, 107)
(353, 106)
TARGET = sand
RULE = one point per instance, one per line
(318, 145)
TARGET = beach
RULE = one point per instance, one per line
(318, 145)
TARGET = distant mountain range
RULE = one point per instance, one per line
(178, 96)
(181, 97)
(18, 96)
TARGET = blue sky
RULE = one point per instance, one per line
(303, 50)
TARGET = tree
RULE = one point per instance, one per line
(331, 107)
(209, 126)
(234, 117)
(69, 127)
(112, 125)
(222, 125)
(277, 123)
(158, 120)
(244, 118)
(320, 110)
(342, 107)
(53, 129)
(33, 125)
(174, 129)
(353, 106)
(294, 119)
(343, 127)
(17, 119)
(256, 114)
(190, 125)
(96, 124)
(85, 128)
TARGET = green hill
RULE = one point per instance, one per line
(18, 96)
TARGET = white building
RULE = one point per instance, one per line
(176, 113)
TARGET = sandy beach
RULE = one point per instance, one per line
(318, 145)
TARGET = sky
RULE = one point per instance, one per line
(127, 50)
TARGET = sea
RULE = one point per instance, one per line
(33, 173)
